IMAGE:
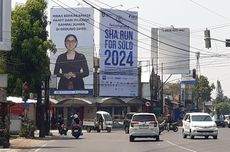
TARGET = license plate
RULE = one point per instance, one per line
(144, 127)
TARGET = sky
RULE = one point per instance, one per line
(197, 15)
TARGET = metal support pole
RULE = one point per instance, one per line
(162, 90)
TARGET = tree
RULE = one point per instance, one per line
(28, 59)
(219, 92)
(2, 63)
(223, 108)
(202, 90)
(172, 89)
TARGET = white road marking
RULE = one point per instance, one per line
(41, 147)
(181, 147)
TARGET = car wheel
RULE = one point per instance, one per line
(88, 129)
(157, 138)
(192, 137)
(229, 125)
(175, 129)
(214, 137)
(131, 138)
(108, 129)
(206, 137)
(126, 130)
(183, 134)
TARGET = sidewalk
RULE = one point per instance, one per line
(19, 143)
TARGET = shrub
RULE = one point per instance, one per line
(27, 129)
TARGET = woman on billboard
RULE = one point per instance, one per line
(71, 66)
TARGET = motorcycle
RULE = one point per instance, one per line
(76, 131)
(173, 126)
(168, 126)
(76, 126)
(62, 129)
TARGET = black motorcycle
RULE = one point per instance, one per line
(62, 129)
(77, 130)
(173, 126)
(76, 126)
(168, 126)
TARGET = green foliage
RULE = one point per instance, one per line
(223, 107)
(172, 89)
(202, 90)
(2, 63)
(27, 129)
(219, 93)
(29, 61)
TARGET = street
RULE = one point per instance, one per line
(117, 140)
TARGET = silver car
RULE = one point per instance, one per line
(144, 125)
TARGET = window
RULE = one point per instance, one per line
(143, 118)
(201, 118)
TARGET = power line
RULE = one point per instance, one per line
(210, 10)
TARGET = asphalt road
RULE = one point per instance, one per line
(118, 141)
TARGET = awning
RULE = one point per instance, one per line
(75, 101)
(134, 100)
(19, 100)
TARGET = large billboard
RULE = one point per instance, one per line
(118, 53)
(174, 53)
(72, 31)
(5, 25)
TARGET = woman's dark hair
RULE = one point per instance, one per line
(74, 36)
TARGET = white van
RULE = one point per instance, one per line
(199, 124)
(94, 123)
(143, 125)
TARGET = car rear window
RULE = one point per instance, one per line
(143, 118)
(201, 118)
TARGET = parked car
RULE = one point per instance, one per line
(199, 124)
(127, 120)
(219, 120)
(144, 125)
(227, 120)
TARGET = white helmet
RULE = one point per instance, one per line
(75, 116)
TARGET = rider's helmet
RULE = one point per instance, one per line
(75, 116)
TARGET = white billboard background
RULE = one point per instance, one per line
(176, 55)
(77, 21)
(118, 53)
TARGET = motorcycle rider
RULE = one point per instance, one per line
(168, 121)
(60, 121)
(76, 121)
(100, 119)
(61, 126)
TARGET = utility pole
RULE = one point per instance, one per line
(198, 75)
(208, 38)
(198, 72)
(162, 91)
(47, 115)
